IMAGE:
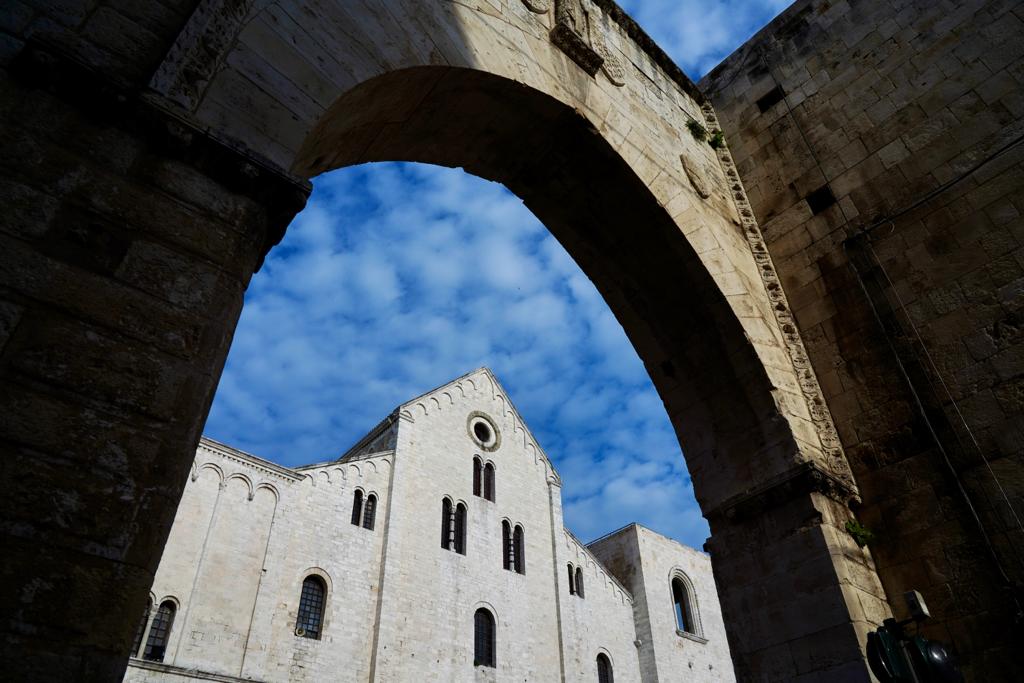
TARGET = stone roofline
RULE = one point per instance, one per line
(650, 48)
(598, 562)
(233, 453)
(637, 525)
(389, 452)
(379, 429)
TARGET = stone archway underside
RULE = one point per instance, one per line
(148, 181)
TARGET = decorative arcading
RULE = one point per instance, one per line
(821, 417)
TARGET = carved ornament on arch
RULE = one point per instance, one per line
(581, 36)
(835, 462)
(538, 6)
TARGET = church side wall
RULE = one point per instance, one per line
(237, 611)
(599, 622)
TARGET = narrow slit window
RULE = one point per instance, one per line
(572, 579)
(311, 608)
(681, 604)
(477, 467)
(370, 512)
(160, 632)
(460, 529)
(579, 582)
(357, 507)
(484, 638)
(518, 543)
(489, 482)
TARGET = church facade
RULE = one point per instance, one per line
(433, 550)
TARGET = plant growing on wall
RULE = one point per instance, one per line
(697, 131)
(717, 139)
(862, 535)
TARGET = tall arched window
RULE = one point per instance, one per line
(370, 512)
(357, 507)
(682, 606)
(579, 582)
(446, 524)
(484, 639)
(460, 529)
(311, 608)
(506, 544)
(137, 642)
(604, 669)
(518, 550)
(159, 632)
(489, 482)
(572, 579)
(477, 468)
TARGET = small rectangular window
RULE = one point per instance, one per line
(820, 199)
(770, 98)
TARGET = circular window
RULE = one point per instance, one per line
(482, 430)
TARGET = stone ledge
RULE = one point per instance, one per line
(803, 479)
(186, 673)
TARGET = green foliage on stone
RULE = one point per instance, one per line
(862, 535)
(697, 131)
(717, 139)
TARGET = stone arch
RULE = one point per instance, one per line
(596, 155)
(677, 573)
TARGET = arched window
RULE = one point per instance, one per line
(137, 642)
(446, 524)
(579, 582)
(357, 507)
(489, 482)
(484, 639)
(604, 669)
(477, 467)
(159, 632)
(311, 608)
(683, 609)
(370, 512)
(519, 559)
(572, 579)
(506, 544)
(460, 529)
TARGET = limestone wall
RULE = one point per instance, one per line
(646, 562)
(879, 143)
(235, 563)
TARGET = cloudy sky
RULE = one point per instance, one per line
(399, 277)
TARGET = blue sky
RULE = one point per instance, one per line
(399, 277)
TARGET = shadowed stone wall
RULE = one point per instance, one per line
(879, 143)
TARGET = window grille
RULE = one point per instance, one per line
(604, 669)
(489, 482)
(506, 545)
(446, 524)
(476, 476)
(159, 632)
(484, 639)
(370, 512)
(311, 608)
(357, 507)
(579, 582)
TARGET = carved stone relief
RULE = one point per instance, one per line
(580, 36)
(697, 175)
(538, 6)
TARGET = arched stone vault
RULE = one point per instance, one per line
(570, 106)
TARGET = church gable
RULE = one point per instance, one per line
(465, 393)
